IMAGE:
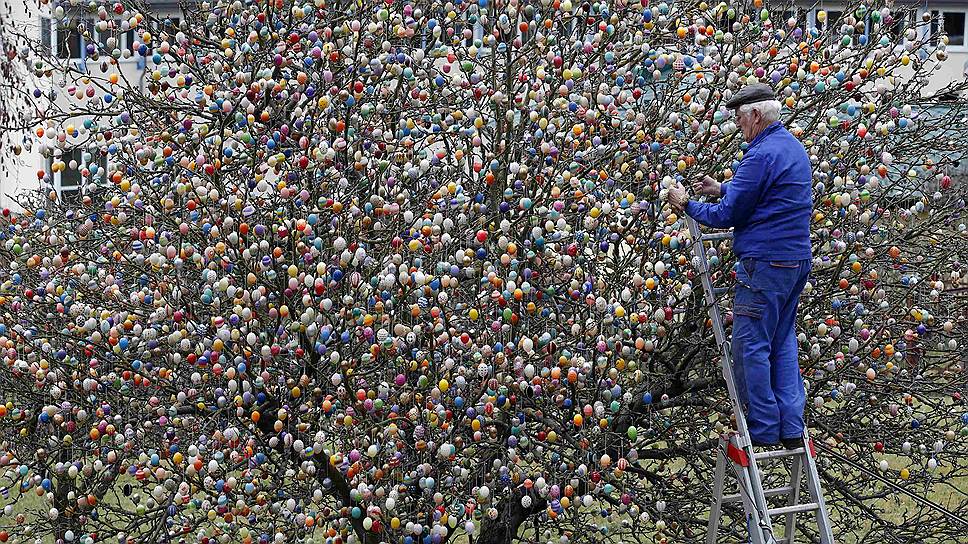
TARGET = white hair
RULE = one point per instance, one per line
(769, 109)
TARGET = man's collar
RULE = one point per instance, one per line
(769, 128)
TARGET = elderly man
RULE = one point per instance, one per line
(769, 204)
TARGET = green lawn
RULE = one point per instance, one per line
(895, 506)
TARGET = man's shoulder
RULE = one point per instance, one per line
(781, 133)
(781, 142)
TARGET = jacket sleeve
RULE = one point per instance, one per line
(723, 187)
(738, 203)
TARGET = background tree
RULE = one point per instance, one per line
(402, 271)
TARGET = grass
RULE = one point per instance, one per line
(896, 506)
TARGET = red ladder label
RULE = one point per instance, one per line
(737, 455)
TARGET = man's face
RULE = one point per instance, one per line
(748, 122)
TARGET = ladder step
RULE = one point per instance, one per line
(774, 492)
(711, 236)
(778, 454)
(795, 509)
(720, 290)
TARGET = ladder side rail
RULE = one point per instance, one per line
(796, 473)
(719, 329)
(758, 520)
(816, 493)
(712, 530)
(750, 475)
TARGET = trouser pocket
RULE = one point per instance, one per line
(778, 276)
(750, 309)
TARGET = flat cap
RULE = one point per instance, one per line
(756, 92)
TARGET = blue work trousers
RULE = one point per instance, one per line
(764, 346)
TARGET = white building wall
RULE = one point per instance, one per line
(22, 171)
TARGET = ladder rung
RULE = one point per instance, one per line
(711, 236)
(795, 509)
(777, 454)
(774, 492)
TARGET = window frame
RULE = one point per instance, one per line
(951, 48)
(811, 17)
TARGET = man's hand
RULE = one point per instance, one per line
(678, 198)
(707, 186)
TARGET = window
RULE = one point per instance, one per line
(70, 195)
(832, 25)
(69, 183)
(796, 13)
(170, 27)
(99, 38)
(465, 31)
(129, 39)
(954, 26)
(528, 34)
(46, 35)
(69, 179)
(69, 43)
(478, 33)
(896, 28)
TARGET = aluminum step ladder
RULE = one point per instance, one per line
(735, 448)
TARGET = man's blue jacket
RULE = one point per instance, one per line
(769, 201)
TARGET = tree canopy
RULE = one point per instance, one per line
(402, 271)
